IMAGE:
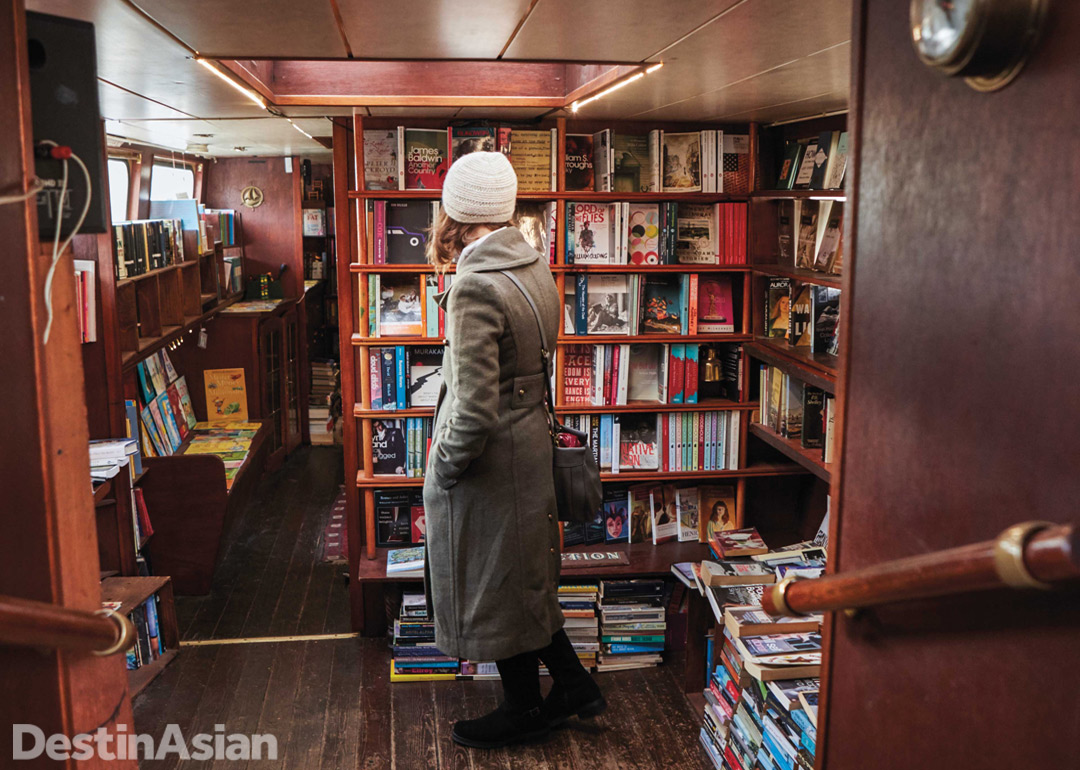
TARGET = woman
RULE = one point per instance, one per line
(492, 535)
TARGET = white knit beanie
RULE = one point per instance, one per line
(480, 187)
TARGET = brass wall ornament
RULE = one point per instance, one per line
(251, 196)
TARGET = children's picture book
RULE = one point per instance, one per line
(579, 162)
(380, 160)
(388, 450)
(716, 309)
(681, 164)
(609, 311)
(643, 233)
(185, 402)
(661, 311)
(717, 511)
(425, 158)
(226, 395)
(400, 306)
(425, 375)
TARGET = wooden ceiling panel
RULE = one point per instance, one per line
(823, 73)
(301, 111)
(500, 113)
(599, 30)
(753, 38)
(413, 112)
(238, 29)
(448, 29)
(133, 54)
(803, 108)
(118, 104)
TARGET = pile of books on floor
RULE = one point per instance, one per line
(578, 602)
(324, 400)
(415, 654)
(148, 645)
(632, 624)
(231, 441)
(761, 708)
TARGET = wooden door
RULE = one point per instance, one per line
(961, 410)
(292, 387)
(272, 378)
(48, 549)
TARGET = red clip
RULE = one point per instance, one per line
(60, 152)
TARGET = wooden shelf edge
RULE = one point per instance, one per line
(130, 358)
(807, 458)
(800, 274)
(142, 676)
(757, 470)
(790, 195)
(149, 274)
(371, 267)
(721, 405)
(584, 196)
(131, 591)
(800, 366)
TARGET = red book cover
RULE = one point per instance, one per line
(693, 310)
(609, 361)
(142, 513)
(504, 140)
(691, 379)
(577, 374)
(380, 233)
(174, 402)
(663, 448)
(677, 371)
(616, 362)
(426, 158)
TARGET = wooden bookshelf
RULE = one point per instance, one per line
(133, 591)
(802, 275)
(807, 458)
(818, 370)
(367, 563)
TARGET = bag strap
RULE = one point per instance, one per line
(545, 352)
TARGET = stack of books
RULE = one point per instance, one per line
(231, 441)
(578, 602)
(632, 624)
(324, 400)
(415, 655)
(148, 645)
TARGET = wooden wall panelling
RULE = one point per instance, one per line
(49, 550)
(962, 360)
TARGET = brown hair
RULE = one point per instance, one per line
(448, 237)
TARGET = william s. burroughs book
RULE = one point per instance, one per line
(579, 162)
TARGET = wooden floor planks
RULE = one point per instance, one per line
(330, 702)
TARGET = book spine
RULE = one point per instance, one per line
(677, 369)
(581, 296)
(375, 377)
(401, 385)
(699, 463)
(690, 392)
(692, 313)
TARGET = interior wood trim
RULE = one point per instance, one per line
(149, 99)
(598, 84)
(340, 21)
(245, 77)
(159, 26)
(418, 101)
(521, 23)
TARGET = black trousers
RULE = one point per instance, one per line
(521, 673)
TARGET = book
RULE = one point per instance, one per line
(789, 165)
(602, 160)
(778, 307)
(824, 318)
(406, 232)
(826, 144)
(665, 525)
(423, 160)
(738, 542)
(643, 233)
(425, 375)
(687, 510)
(417, 518)
(537, 223)
(806, 166)
(590, 225)
(640, 500)
(754, 621)
(735, 573)
(696, 234)
(400, 307)
(736, 164)
(715, 305)
(616, 518)
(834, 177)
(608, 304)
(578, 374)
(579, 162)
(806, 245)
(226, 395)
(393, 517)
(532, 157)
(388, 449)
(380, 160)
(405, 562)
(793, 415)
(813, 424)
(787, 214)
(645, 373)
(799, 332)
(661, 307)
(717, 511)
(638, 441)
(828, 244)
(631, 165)
(681, 162)
(466, 139)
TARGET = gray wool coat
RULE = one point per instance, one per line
(493, 560)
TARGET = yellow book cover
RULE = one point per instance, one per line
(226, 396)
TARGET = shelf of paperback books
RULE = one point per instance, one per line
(811, 459)
(790, 195)
(644, 406)
(802, 275)
(635, 268)
(148, 602)
(817, 369)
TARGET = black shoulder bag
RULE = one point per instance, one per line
(578, 492)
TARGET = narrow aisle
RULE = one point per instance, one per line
(329, 701)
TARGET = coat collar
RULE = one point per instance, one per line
(501, 250)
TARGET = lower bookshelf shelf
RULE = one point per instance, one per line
(758, 469)
(131, 592)
(142, 676)
(807, 458)
(646, 560)
(818, 370)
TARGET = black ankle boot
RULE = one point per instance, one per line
(500, 728)
(583, 700)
